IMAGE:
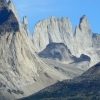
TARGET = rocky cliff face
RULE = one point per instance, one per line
(96, 40)
(24, 24)
(20, 66)
(61, 30)
(83, 41)
(8, 21)
(12, 7)
(83, 35)
(53, 30)
(87, 42)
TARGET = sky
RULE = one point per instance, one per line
(37, 10)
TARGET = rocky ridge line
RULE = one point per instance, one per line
(58, 30)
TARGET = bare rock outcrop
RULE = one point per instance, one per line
(83, 36)
(53, 30)
(12, 7)
(86, 42)
(96, 40)
(20, 66)
(82, 41)
(24, 26)
(8, 21)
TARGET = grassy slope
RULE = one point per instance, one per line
(85, 87)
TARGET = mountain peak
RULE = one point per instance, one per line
(53, 30)
(8, 21)
(83, 17)
(25, 20)
(52, 17)
(84, 24)
(13, 9)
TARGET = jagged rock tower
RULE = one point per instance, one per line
(53, 30)
(83, 41)
(25, 26)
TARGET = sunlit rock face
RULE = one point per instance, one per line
(61, 30)
(96, 40)
(24, 26)
(53, 30)
(86, 42)
(82, 41)
(83, 35)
